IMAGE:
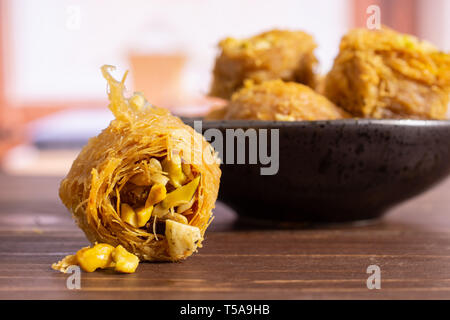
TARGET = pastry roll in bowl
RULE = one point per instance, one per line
(275, 54)
(278, 100)
(147, 182)
(386, 74)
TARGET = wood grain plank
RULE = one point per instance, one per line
(240, 260)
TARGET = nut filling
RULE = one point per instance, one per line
(161, 198)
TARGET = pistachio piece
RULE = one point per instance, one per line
(173, 168)
(177, 197)
(157, 194)
(143, 215)
(128, 215)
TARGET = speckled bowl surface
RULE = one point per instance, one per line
(336, 171)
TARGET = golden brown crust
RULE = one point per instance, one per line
(276, 54)
(385, 74)
(110, 158)
(281, 101)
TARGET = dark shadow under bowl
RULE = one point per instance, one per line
(335, 171)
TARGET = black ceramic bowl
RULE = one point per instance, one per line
(336, 171)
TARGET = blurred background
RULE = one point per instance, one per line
(52, 94)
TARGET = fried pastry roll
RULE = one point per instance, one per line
(147, 182)
(278, 101)
(275, 54)
(386, 74)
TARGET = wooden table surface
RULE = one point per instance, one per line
(239, 260)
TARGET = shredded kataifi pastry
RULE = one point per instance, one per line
(278, 100)
(147, 182)
(275, 54)
(386, 74)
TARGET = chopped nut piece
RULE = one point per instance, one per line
(90, 259)
(128, 215)
(173, 168)
(143, 215)
(101, 256)
(182, 239)
(177, 197)
(126, 262)
(157, 194)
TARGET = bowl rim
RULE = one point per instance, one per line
(315, 123)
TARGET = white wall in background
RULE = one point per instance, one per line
(434, 22)
(57, 55)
